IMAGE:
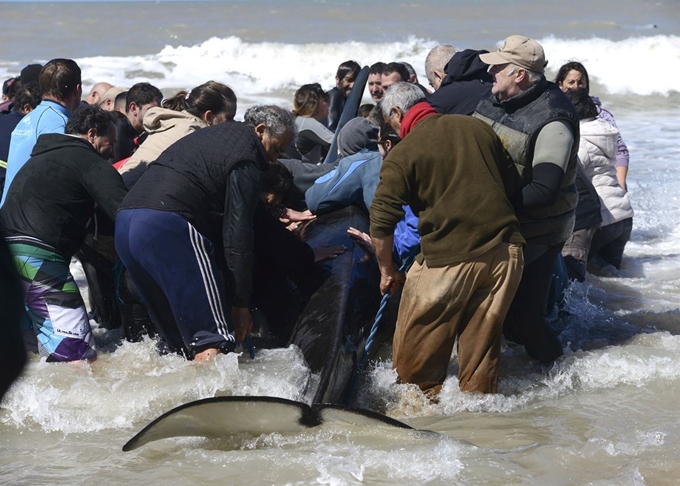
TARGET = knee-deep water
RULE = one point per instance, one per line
(606, 413)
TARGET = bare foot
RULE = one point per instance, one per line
(206, 355)
(79, 363)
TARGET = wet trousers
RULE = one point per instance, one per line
(468, 301)
(609, 242)
(175, 270)
(526, 320)
(56, 319)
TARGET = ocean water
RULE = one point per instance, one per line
(605, 414)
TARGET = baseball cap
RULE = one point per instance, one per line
(111, 94)
(519, 50)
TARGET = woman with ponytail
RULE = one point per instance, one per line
(313, 138)
(180, 115)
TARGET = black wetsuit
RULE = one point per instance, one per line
(336, 104)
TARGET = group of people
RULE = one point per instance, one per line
(475, 190)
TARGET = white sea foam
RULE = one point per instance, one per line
(644, 359)
(637, 65)
(271, 71)
(135, 384)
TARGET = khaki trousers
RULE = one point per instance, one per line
(468, 300)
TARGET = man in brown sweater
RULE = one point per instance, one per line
(455, 175)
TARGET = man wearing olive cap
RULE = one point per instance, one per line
(539, 127)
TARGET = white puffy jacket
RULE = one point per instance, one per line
(597, 152)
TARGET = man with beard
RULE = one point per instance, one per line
(344, 82)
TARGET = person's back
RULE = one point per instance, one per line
(597, 152)
(182, 114)
(355, 178)
(454, 225)
(353, 181)
(190, 177)
(466, 83)
(51, 199)
(313, 139)
(163, 127)
(45, 217)
(60, 84)
(48, 117)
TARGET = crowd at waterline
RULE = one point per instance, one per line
(133, 137)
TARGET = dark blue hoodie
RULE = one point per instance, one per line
(466, 83)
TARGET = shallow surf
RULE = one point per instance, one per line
(604, 414)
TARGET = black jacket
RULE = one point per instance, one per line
(336, 103)
(212, 178)
(588, 213)
(8, 122)
(54, 195)
(466, 83)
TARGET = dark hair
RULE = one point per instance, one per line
(59, 78)
(584, 104)
(142, 94)
(307, 98)
(277, 180)
(386, 132)
(377, 68)
(397, 67)
(210, 96)
(572, 66)
(365, 110)
(13, 88)
(7, 84)
(348, 67)
(27, 94)
(121, 100)
(90, 116)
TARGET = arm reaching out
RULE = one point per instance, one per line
(390, 277)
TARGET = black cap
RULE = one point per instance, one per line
(30, 73)
(7, 84)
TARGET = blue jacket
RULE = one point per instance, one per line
(406, 240)
(353, 181)
(48, 117)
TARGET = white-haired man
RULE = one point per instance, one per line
(436, 62)
(540, 129)
(455, 175)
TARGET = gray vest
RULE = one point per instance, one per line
(517, 122)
